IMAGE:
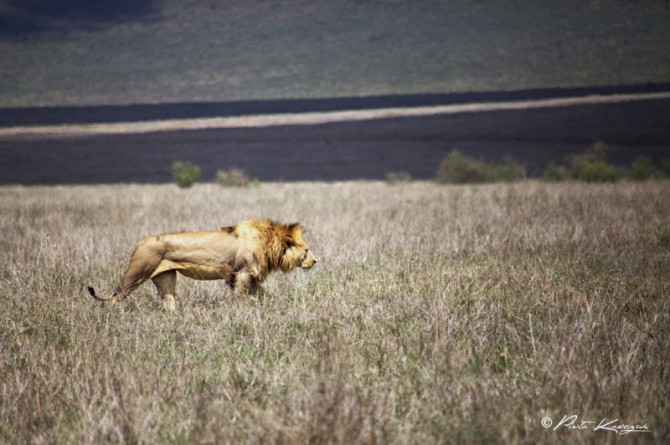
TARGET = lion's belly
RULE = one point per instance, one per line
(202, 272)
(196, 271)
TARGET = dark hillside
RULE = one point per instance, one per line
(57, 52)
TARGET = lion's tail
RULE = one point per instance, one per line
(92, 292)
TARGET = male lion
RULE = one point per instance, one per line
(243, 255)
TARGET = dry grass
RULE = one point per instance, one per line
(437, 314)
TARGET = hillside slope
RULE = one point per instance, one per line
(156, 51)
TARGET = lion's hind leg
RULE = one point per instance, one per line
(144, 260)
(166, 283)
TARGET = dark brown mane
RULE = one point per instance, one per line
(274, 240)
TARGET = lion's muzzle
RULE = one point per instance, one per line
(308, 262)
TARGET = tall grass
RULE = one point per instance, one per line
(436, 314)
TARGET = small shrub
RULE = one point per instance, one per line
(234, 177)
(185, 174)
(597, 151)
(665, 167)
(398, 177)
(456, 168)
(459, 169)
(592, 166)
(555, 172)
(642, 169)
(595, 171)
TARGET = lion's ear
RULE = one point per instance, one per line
(291, 235)
(295, 230)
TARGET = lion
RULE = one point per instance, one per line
(243, 255)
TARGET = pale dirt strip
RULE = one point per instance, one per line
(280, 119)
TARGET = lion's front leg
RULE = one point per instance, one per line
(247, 284)
(243, 282)
(257, 289)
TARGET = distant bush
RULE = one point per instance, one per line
(234, 177)
(592, 166)
(398, 177)
(642, 169)
(665, 167)
(459, 169)
(185, 174)
(555, 172)
(595, 171)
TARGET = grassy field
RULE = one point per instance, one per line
(148, 51)
(436, 314)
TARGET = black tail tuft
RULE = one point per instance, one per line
(92, 292)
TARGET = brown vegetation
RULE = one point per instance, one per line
(438, 314)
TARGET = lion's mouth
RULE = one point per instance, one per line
(307, 266)
(308, 262)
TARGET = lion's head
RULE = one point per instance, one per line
(296, 251)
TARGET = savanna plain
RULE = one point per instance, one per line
(436, 314)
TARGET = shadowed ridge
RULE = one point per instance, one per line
(22, 19)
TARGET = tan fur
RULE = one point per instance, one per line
(243, 255)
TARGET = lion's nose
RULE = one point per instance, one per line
(310, 262)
